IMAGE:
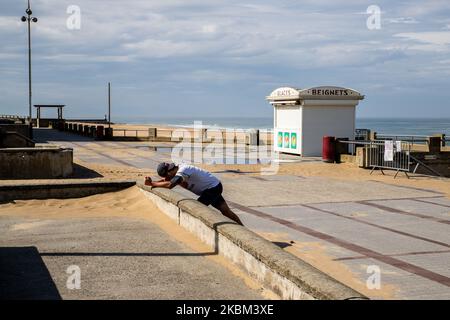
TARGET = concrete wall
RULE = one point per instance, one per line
(277, 270)
(23, 129)
(36, 163)
(14, 140)
(438, 162)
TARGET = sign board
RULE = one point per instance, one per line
(287, 140)
(330, 92)
(288, 94)
(284, 93)
(389, 150)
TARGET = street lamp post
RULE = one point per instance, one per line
(29, 19)
(109, 130)
(109, 104)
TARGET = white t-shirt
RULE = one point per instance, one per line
(198, 180)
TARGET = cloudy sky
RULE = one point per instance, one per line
(193, 58)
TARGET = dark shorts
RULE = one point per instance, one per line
(212, 196)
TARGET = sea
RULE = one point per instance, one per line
(392, 126)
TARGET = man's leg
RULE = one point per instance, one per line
(214, 197)
(226, 211)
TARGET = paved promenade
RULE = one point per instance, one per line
(349, 229)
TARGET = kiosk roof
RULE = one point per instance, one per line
(290, 94)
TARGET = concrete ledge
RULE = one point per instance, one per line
(280, 271)
(36, 163)
(64, 190)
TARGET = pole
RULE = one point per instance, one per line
(29, 19)
(29, 65)
(109, 104)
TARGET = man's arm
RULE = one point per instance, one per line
(160, 184)
(168, 184)
(148, 181)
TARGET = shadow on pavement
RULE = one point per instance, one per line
(46, 135)
(282, 245)
(216, 234)
(81, 172)
(24, 276)
(127, 254)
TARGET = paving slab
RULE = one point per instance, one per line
(395, 222)
(292, 190)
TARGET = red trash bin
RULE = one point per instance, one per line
(329, 149)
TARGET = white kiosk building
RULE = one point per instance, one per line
(302, 117)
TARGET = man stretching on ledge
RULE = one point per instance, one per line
(198, 181)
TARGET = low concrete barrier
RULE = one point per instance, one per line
(282, 272)
(22, 129)
(437, 163)
(59, 190)
(14, 139)
(36, 163)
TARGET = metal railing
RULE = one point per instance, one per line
(421, 140)
(413, 138)
(391, 155)
(130, 132)
(8, 116)
(362, 134)
(349, 146)
(12, 117)
(397, 157)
